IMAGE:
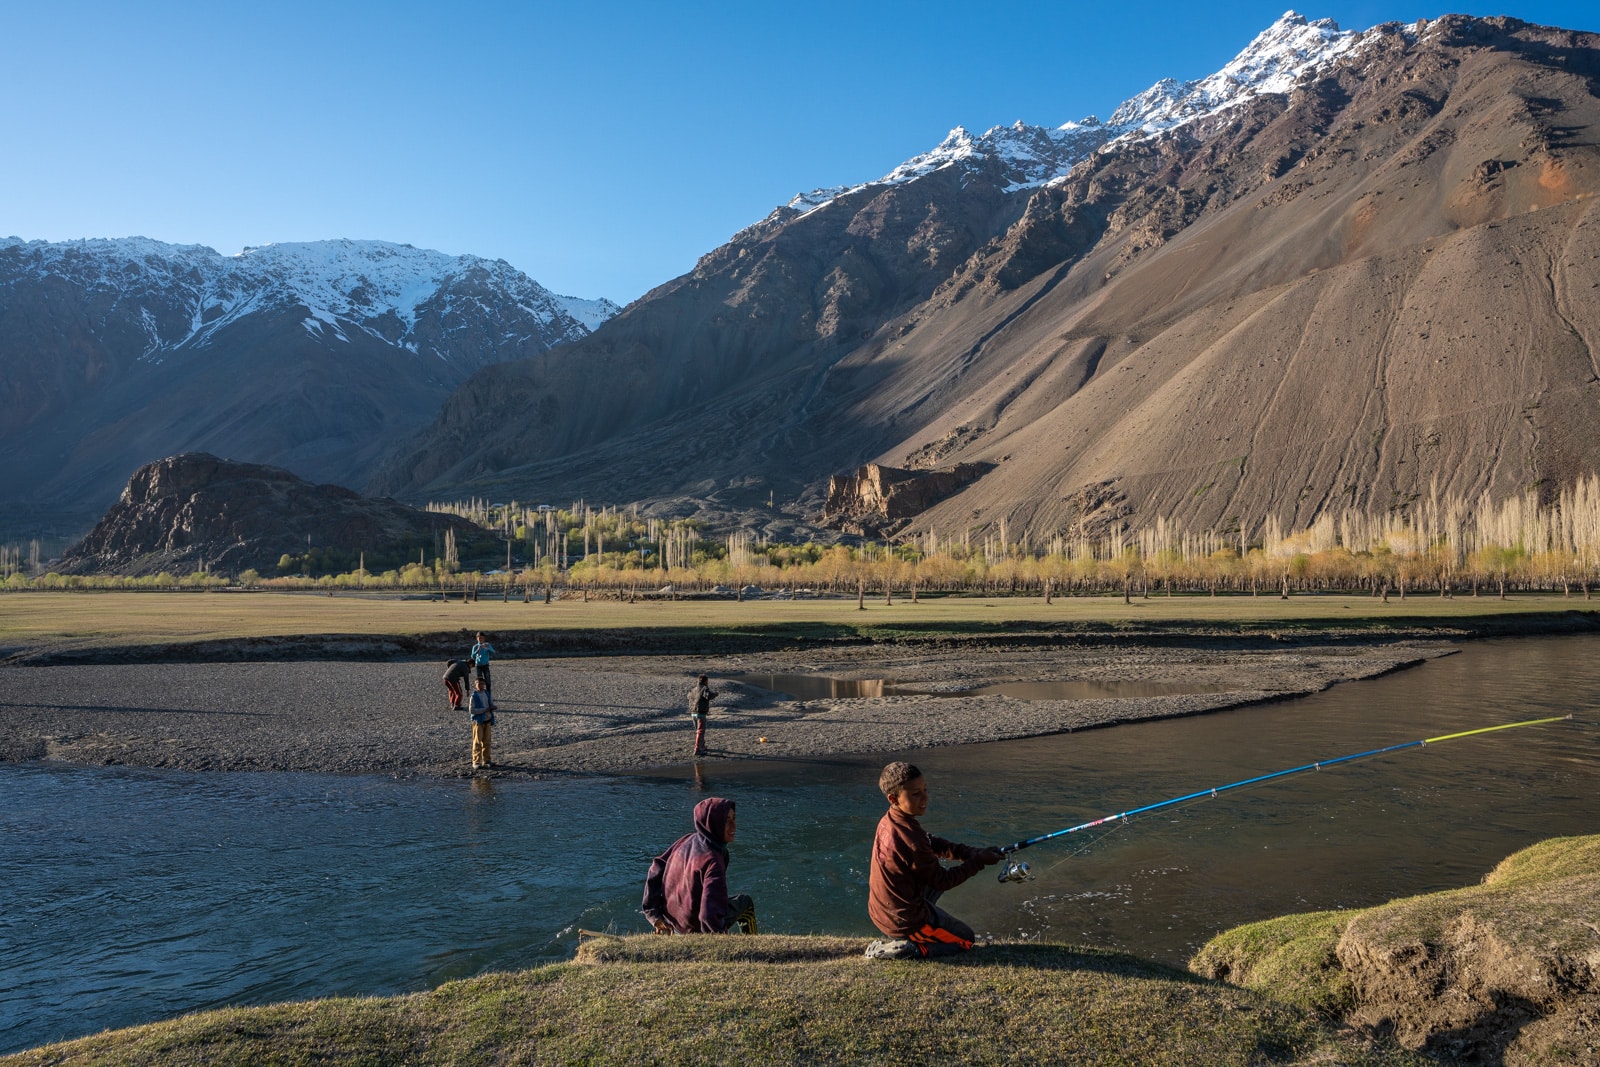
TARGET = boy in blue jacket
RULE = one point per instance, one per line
(480, 655)
(482, 709)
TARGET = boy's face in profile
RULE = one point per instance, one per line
(911, 800)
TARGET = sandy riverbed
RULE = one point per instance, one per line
(614, 713)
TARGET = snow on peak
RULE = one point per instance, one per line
(1271, 63)
(377, 287)
(344, 279)
(591, 313)
(1035, 155)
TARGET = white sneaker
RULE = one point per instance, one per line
(891, 950)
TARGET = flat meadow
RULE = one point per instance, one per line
(37, 621)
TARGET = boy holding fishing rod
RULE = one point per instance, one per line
(907, 878)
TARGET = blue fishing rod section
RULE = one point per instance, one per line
(1012, 873)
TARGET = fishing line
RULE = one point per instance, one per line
(1087, 846)
(1016, 871)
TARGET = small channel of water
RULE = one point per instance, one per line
(132, 895)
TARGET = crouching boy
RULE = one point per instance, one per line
(907, 877)
(686, 890)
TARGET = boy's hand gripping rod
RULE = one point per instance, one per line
(1015, 871)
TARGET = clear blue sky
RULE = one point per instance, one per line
(600, 147)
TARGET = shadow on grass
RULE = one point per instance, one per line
(781, 949)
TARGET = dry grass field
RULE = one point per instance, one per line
(36, 620)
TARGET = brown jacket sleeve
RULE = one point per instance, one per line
(905, 865)
(950, 850)
(935, 874)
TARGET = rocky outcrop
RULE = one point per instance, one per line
(1511, 966)
(1503, 972)
(877, 500)
(194, 511)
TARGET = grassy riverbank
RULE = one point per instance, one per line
(33, 623)
(1497, 973)
(1503, 972)
(763, 1000)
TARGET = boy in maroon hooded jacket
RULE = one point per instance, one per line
(686, 891)
(906, 876)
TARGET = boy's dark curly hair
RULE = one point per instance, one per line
(896, 777)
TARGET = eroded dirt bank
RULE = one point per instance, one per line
(621, 713)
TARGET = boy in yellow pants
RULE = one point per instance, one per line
(482, 721)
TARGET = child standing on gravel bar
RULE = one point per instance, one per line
(686, 889)
(482, 722)
(907, 877)
(455, 682)
(481, 653)
(700, 698)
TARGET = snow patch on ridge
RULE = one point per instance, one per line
(591, 313)
(1031, 156)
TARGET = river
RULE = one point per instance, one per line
(131, 895)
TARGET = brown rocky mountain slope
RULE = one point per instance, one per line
(186, 512)
(1385, 280)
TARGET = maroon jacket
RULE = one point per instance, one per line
(688, 883)
(905, 866)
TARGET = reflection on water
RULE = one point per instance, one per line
(129, 895)
(823, 687)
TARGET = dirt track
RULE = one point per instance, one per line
(597, 714)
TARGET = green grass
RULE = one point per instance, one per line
(1443, 962)
(730, 1000)
(1539, 903)
(1293, 957)
(32, 621)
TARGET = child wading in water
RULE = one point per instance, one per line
(700, 698)
(907, 877)
(482, 722)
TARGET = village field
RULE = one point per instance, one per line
(31, 622)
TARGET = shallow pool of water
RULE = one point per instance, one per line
(826, 687)
(132, 895)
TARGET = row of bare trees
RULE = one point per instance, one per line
(1438, 546)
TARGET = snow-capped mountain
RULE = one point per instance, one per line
(1333, 290)
(188, 294)
(1031, 156)
(312, 356)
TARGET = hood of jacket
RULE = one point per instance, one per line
(711, 819)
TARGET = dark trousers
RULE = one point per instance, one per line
(744, 914)
(483, 676)
(946, 935)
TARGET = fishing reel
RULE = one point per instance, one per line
(1015, 871)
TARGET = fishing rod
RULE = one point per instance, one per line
(1016, 871)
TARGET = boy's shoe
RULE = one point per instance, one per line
(894, 949)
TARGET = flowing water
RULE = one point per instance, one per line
(132, 895)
